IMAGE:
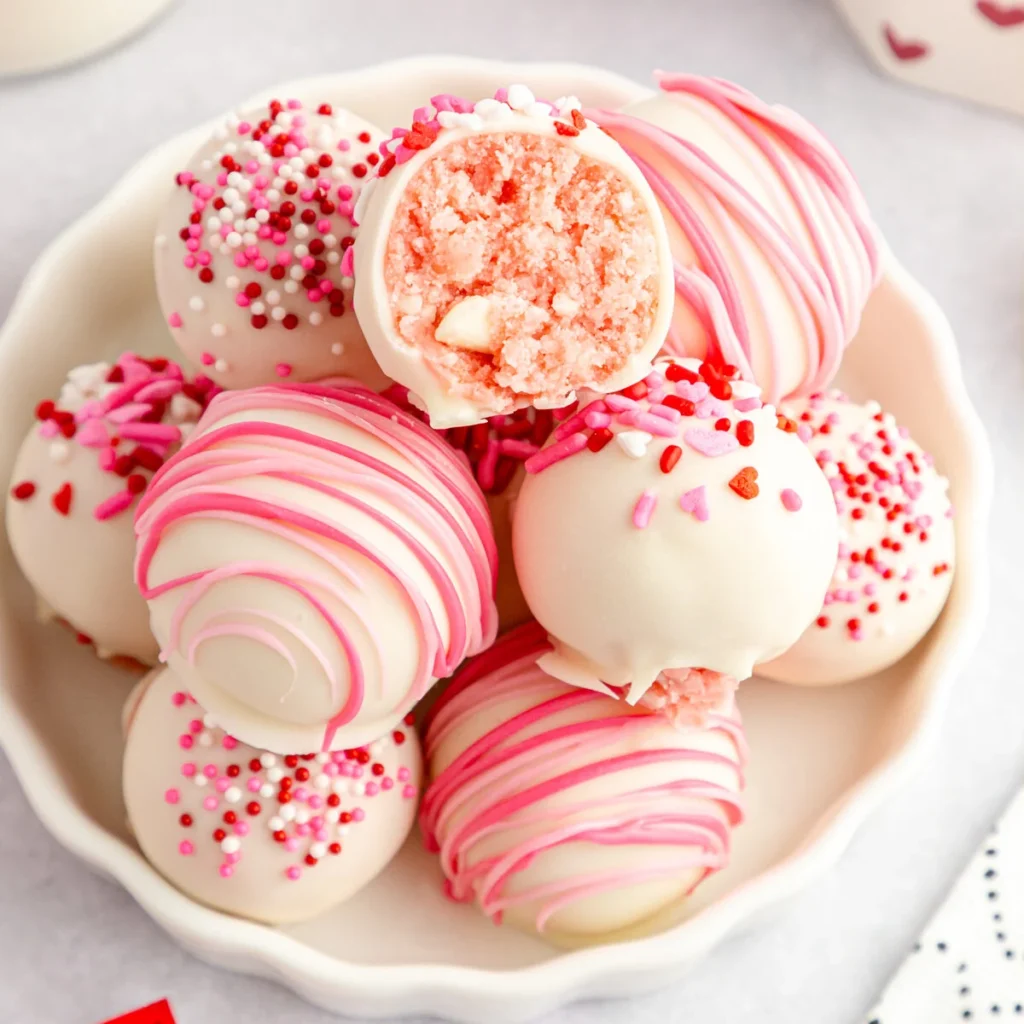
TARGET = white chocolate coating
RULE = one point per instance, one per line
(350, 825)
(304, 335)
(314, 560)
(624, 599)
(895, 567)
(378, 205)
(575, 815)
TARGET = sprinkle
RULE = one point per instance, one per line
(744, 483)
(23, 491)
(114, 505)
(695, 502)
(791, 501)
(556, 452)
(634, 442)
(61, 499)
(669, 457)
(711, 443)
(745, 433)
(644, 509)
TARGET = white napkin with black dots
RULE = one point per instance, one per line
(969, 963)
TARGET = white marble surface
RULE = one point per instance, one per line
(947, 185)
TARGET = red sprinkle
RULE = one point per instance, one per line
(744, 483)
(675, 373)
(62, 499)
(682, 405)
(24, 490)
(745, 433)
(566, 129)
(669, 457)
(599, 438)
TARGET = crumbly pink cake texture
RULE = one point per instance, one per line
(559, 244)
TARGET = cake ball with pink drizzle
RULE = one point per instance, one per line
(250, 251)
(896, 544)
(79, 475)
(314, 559)
(560, 811)
(264, 836)
(673, 533)
(510, 253)
(775, 251)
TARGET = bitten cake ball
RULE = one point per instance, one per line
(510, 253)
(78, 476)
(776, 253)
(250, 251)
(314, 559)
(896, 544)
(273, 838)
(676, 525)
(561, 811)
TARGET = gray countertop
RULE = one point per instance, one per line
(946, 182)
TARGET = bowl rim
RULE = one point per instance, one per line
(425, 986)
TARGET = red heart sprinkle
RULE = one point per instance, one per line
(744, 483)
(62, 499)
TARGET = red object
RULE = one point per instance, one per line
(905, 49)
(155, 1013)
(1001, 15)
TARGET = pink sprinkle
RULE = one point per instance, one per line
(655, 425)
(49, 429)
(804, 432)
(711, 443)
(283, 369)
(408, 792)
(254, 785)
(223, 784)
(644, 509)
(241, 299)
(666, 412)
(210, 771)
(870, 589)
(348, 263)
(232, 858)
(387, 783)
(517, 449)
(300, 793)
(177, 699)
(229, 743)
(185, 742)
(115, 504)
(372, 789)
(695, 502)
(165, 433)
(188, 769)
(291, 844)
(226, 870)
(747, 404)
(241, 828)
(358, 814)
(595, 420)
(174, 320)
(620, 403)
(172, 796)
(210, 803)
(185, 848)
(293, 874)
(791, 501)
(315, 803)
(106, 460)
(206, 358)
(284, 257)
(404, 774)
(560, 450)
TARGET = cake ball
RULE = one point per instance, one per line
(776, 253)
(249, 254)
(896, 544)
(560, 811)
(510, 253)
(80, 471)
(273, 838)
(673, 532)
(314, 559)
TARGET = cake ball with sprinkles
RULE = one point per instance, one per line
(77, 480)
(264, 836)
(250, 253)
(671, 534)
(510, 254)
(560, 811)
(314, 560)
(896, 544)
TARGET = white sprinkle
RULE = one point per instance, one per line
(268, 760)
(330, 241)
(300, 252)
(234, 239)
(301, 231)
(200, 779)
(634, 442)
(297, 273)
(318, 850)
(232, 281)
(232, 794)
(261, 217)
(267, 790)
(273, 297)
(355, 788)
(257, 309)
(225, 216)
(221, 366)
(274, 774)
(332, 815)
(275, 824)
(218, 330)
(278, 313)
(291, 287)
(231, 844)
(316, 318)
(205, 739)
(287, 812)
(302, 816)
(334, 257)
(337, 348)
(519, 97)
(196, 304)
(321, 781)
(59, 451)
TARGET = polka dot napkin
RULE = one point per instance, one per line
(969, 964)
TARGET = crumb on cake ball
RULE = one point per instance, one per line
(510, 254)
(564, 812)
(776, 253)
(250, 258)
(314, 560)
(674, 526)
(896, 544)
(264, 836)
(77, 479)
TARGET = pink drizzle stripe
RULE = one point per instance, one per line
(200, 482)
(826, 279)
(500, 784)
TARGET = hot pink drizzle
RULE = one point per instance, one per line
(508, 775)
(827, 281)
(197, 483)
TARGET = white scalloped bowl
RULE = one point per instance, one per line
(821, 759)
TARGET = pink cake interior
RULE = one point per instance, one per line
(559, 243)
(687, 695)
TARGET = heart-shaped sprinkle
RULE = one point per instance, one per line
(696, 503)
(62, 499)
(744, 483)
(93, 434)
(634, 442)
(711, 443)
